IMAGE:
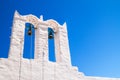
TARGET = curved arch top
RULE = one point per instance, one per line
(32, 19)
(35, 21)
(53, 24)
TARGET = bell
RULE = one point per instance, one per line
(29, 32)
(50, 35)
(29, 27)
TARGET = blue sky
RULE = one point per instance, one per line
(93, 29)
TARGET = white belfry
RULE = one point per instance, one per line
(15, 67)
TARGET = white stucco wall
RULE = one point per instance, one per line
(40, 68)
(10, 70)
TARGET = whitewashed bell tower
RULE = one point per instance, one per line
(41, 38)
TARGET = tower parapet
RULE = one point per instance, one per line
(41, 38)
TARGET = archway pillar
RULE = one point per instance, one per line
(62, 46)
(41, 42)
(17, 38)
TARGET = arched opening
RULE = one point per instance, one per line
(51, 45)
(29, 41)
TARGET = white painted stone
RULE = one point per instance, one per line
(40, 68)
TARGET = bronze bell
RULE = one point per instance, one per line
(50, 35)
(29, 27)
(29, 32)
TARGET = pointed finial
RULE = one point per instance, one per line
(64, 25)
(41, 17)
(16, 14)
